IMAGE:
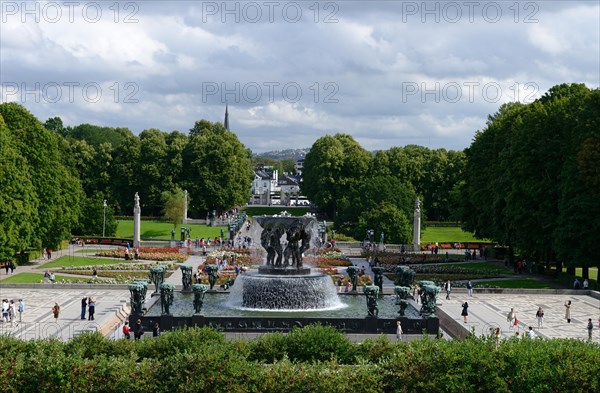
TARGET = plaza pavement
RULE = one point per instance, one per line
(486, 309)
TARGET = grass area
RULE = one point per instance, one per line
(34, 278)
(483, 266)
(270, 210)
(162, 230)
(519, 283)
(447, 235)
(71, 261)
(85, 250)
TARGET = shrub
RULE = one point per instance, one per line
(318, 343)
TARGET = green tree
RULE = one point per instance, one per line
(218, 172)
(18, 199)
(93, 220)
(333, 168)
(386, 218)
(173, 206)
(59, 192)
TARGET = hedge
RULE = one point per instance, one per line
(306, 360)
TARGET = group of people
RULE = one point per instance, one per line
(10, 265)
(9, 310)
(138, 330)
(88, 303)
(578, 285)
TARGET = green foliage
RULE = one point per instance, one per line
(269, 348)
(173, 206)
(318, 343)
(192, 360)
(271, 210)
(93, 220)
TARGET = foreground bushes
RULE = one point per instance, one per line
(313, 359)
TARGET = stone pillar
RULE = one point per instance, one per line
(136, 221)
(417, 226)
(185, 206)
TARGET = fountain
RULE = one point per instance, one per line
(284, 283)
(283, 293)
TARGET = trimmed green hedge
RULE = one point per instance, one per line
(313, 359)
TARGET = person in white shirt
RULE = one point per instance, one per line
(531, 333)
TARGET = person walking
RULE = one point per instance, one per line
(531, 333)
(568, 311)
(511, 318)
(91, 308)
(156, 330)
(540, 317)
(399, 331)
(586, 284)
(21, 309)
(56, 311)
(83, 306)
(448, 288)
(469, 289)
(465, 312)
(590, 328)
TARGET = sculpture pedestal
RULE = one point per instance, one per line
(283, 271)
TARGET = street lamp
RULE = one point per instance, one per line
(104, 219)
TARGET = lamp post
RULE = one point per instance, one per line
(104, 218)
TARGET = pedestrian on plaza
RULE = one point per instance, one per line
(5, 310)
(464, 312)
(447, 288)
(540, 317)
(568, 311)
(576, 284)
(91, 308)
(586, 284)
(83, 306)
(49, 252)
(137, 330)
(126, 330)
(56, 311)
(95, 274)
(21, 308)
(497, 335)
(399, 331)
(12, 266)
(511, 318)
(52, 278)
(531, 333)
(469, 289)
(590, 328)
(11, 312)
(156, 330)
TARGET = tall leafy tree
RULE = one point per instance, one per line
(217, 169)
(59, 192)
(173, 206)
(18, 200)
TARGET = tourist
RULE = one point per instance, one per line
(586, 284)
(136, 253)
(464, 312)
(531, 333)
(21, 308)
(49, 252)
(448, 288)
(5, 310)
(511, 318)
(46, 276)
(83, 306)
(156, 330)
(95, 274)
(11, 264)
(398, 330)
(497, 335)
(137, 330)
(590, 327)
(126, 330)
(56, 311)
(576, 284)
(11, 312)
(6, 266)
(540, 317)
(469, 289)
(91, 308)
(52, 278)
(568, 311)
(348, 286)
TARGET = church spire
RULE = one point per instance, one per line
(226, 122)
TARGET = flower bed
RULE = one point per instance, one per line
(122, 266)
(128, 276)
(322, 262)
(147, 253)
(364, 280)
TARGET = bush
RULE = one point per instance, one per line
(318, 343)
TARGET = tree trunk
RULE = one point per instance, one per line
(585, 272)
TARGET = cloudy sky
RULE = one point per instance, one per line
(390, 73)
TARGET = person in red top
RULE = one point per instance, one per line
(126, 330)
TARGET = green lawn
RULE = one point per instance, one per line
(519, 283)
(162, 230)
(447, 235)
(34, 278)
(71, 261)
(578, 272)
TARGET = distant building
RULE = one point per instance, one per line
(299, 166)
(268, 188)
